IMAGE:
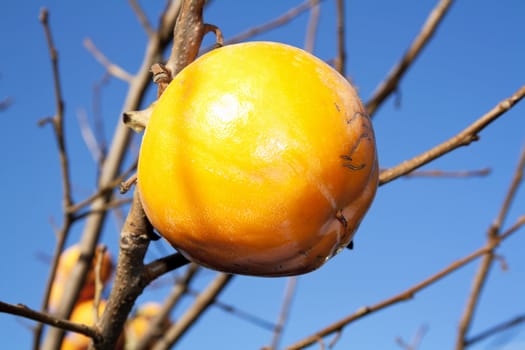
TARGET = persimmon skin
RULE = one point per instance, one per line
(138, 325)
(258, 159)
(67, 261)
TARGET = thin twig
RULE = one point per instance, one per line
(275, 23)
(285, 309)
(463, 138)
(99, 283)
(394, 77)
(102, 191)
(110, 170)
(449, 174)
(241, 314)
(480, 278)
(340, 61)
(117, 203)
(89, 137)
(5, 103)
(495, 330)
(143, 19)
(313, 23)
(157, 324)
(416, 340)
(408, 293)
(58, 126)
(202, 302)
(42, 317)
(113, 69)
(98, 120)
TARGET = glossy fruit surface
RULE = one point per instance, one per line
(258, 159)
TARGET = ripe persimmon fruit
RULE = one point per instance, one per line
(67, 261)
(138, 325)
(84, 313)
(258, 159)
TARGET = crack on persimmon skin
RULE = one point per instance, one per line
(348, 161)
(341, 218)
(356, 115)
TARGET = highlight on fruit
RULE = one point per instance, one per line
(258, 159)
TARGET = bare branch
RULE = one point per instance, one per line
(134, 241)
(285, 309)
(277, 22)
(5, 103)
(156, 326)
(58, 126)
(394, 77)
(501, 327)
(408, 293)
(110, 170)
(113, 69)
(103, 191)
(241, 314)
(202, 302)
(142, 18)
(98, 120)
(340, 61)
(414, 344)
(480, 278)
(187, 36)
(313, 23)
(110, 205)
(89, 136)
(24, 311)
(464, 138)
(449, 174)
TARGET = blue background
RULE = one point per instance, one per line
(415, 227)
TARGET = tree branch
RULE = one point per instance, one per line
(157, 324)
(449, 174)
(495, 329)
(285, 309)
(58, 126)
(112, 69)
(200, 305)
(394, 77)
(109, 171)
(132, 276)
(408, 293)
(313, 23)
(464, 138)
(340, 61)
(480, 278)
(277, 22)
(128, 284)
(142, 18)
(42, 317)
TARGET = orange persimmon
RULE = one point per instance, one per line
(84, 313)
(139, 324)
(258, 159)
(68, 260)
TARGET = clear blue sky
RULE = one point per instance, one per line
(415, 227)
